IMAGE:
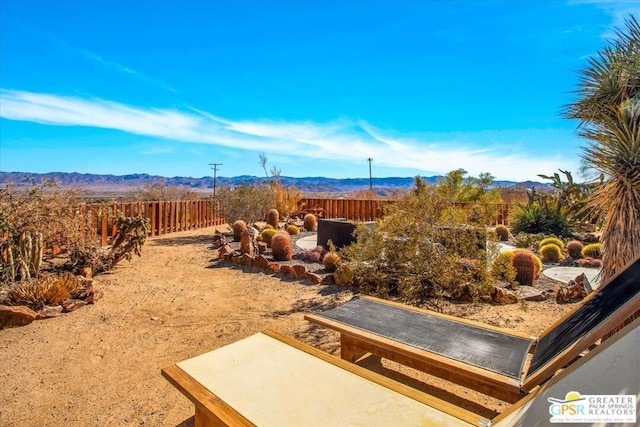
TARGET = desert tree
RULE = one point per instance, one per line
(608, 110)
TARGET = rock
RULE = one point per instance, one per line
(328, 280)
(503, 296)
(574, 291)
(567, 262)
(260, 262)
(529, 293)
(235, 258)
(49, 311)
(299, 271)
(262, 247)
(286, 270)
(225, 251)
(91, 293)
(72, 305)
(16, 315)
(313, 278)
(246, 259)
(274, 266)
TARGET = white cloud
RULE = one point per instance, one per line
(338, 141)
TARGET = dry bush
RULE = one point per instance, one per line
(245, 202)
(414, 251)
(160, 191)
(43, 215)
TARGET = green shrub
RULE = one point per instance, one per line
(267, 234)
(574, 247)
(551, 240)
(540, 218)
(592, 250)
(502, 232)
(551, 252)
(502, 267)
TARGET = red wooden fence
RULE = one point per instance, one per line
(172, 216)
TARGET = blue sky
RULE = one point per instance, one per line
(422, 87)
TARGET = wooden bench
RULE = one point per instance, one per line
(494, 361)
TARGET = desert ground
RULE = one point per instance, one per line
(100, 365)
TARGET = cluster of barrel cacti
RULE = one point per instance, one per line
(551, 249)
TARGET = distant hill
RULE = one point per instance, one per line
(114, 185)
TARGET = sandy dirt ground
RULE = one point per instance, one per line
(100, 365)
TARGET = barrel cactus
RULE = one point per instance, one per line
(281, 247)
(293, 230)
(502, 232)
(574, 247)
(551, 240)
(331, 261)
(551, 252)
(527, 265)
(267, 234)
(238, 227)
(592, 250)
(310, 222)
(273, 217)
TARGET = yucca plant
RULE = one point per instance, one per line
(608, 108)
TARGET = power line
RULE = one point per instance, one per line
(215, 171)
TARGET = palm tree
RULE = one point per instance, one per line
(608, 110)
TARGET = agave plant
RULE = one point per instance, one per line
(608, 108)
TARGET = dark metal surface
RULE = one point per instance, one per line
(484, 348)
(605, 302)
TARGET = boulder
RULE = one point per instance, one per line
(91, 293)
(246, 259)
(225, 251)
(49, 311)
(260, 262)
(262, 247)
(328, 280)
(529, 293)
(299, 271)
(16, 315)
(503, 296)
(287, 270)
(313, 278)
(72, 305)
(274, 266)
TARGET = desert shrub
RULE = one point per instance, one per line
(527, 265)
(273, 217)
(574, 248)
(238, 227)
(267, 234)
(592, 250)
(344, 275)
(248, 202)
(310, 222)
(331, 261)
(293, 230)
(131, 234)
(541, 215)
(551, 240)
(551, 252)
(502, 232)
(38, 217)
(160, 191)
(49, 290)
(502, 267)
(281, 247)
(402, 255)
(314, 255)
(527, 240)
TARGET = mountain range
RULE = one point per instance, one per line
(111, 185)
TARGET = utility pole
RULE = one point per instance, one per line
(214, 166)
(370, 180)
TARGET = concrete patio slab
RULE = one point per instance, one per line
(565, 274)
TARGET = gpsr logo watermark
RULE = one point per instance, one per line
(577, 408)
